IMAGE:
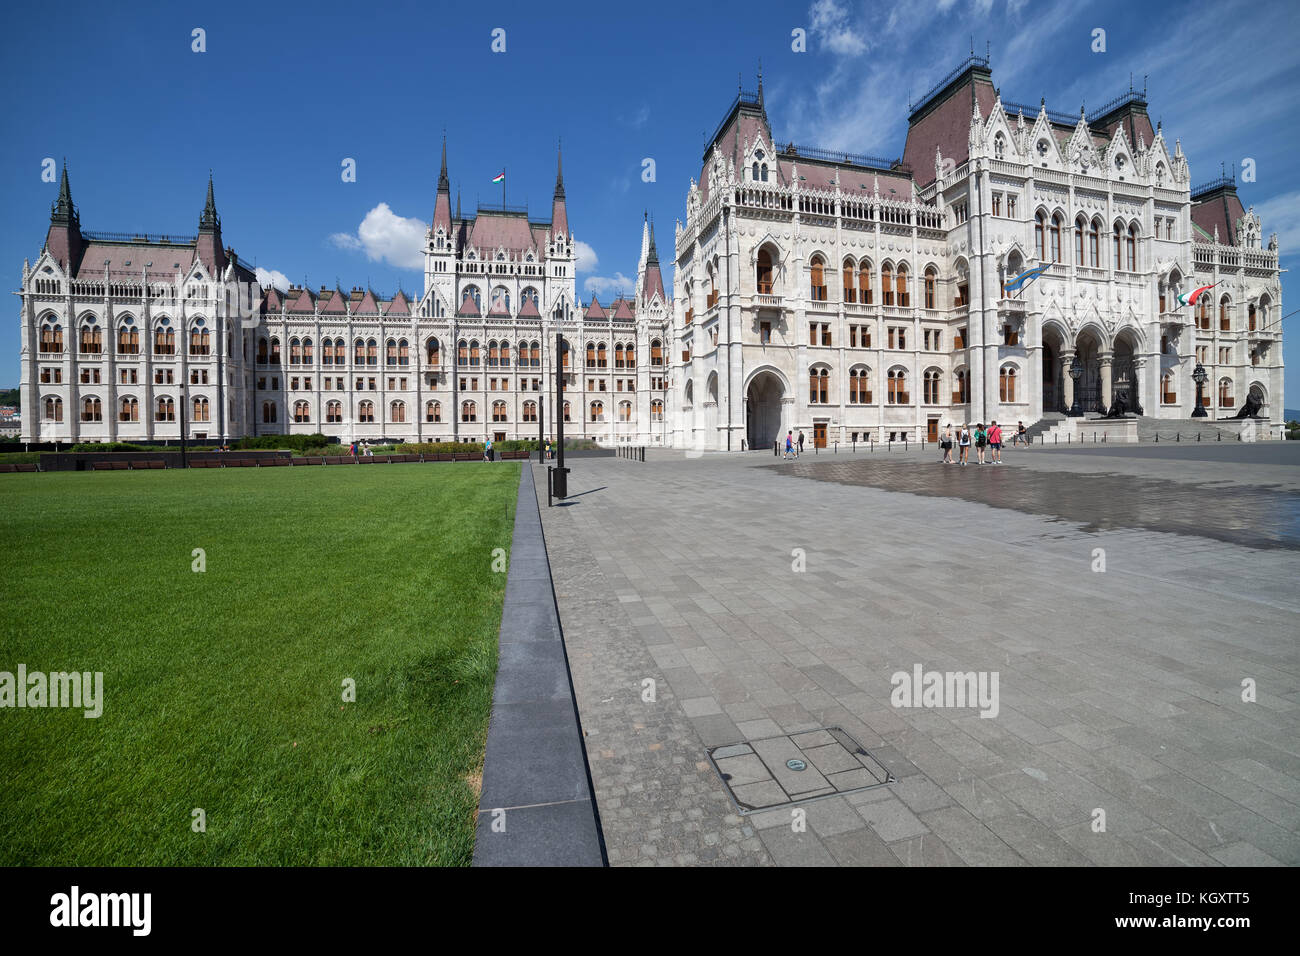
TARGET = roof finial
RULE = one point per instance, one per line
(760, 81)
(444, 184)
(559, 169)
(209, 219)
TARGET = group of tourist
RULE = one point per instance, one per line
(987, 441)
(358, 448)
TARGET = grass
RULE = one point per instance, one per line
(223, 689)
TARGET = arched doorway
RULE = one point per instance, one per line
(1053, 396)
(1087, 390)
(1124, 377)
(763, 410)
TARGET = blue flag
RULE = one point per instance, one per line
(1029, 275)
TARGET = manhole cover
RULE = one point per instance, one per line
(796, 768)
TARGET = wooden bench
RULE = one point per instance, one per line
(7, 468)
(25, 466)
(275, 461)
(147, 465)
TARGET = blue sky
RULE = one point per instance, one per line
(285, 92)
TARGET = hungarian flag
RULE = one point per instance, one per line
(1189, 298)
(500, 177)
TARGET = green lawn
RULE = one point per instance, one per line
(223, 689)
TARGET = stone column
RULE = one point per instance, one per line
(1067, 383)
(1106, 359)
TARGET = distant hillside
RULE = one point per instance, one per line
(9, 396)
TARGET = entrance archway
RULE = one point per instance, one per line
(763, 410)
(1053, 397)
(1124, 376)
(1088, 346)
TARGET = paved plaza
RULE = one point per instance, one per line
(740, 605)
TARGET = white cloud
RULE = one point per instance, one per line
(609, 286)
(830, 25)
(1281, 214)
(272, 277)
(384, 235)
(588, 261)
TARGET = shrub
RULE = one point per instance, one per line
(296, 443)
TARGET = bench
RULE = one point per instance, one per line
(147, 465)
(275, 461)
(7, 468)
(468, 456)
(25, 466)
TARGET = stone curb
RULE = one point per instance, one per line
(535, 768)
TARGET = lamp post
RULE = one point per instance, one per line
(560, 476)
(185, 397)
(1076, 373)
(1199, 376)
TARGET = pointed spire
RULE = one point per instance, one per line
(63, 211)
(760, 81)
(444, 184)
(559, 171)
(209, 221)
(457, 202)
(652, 256)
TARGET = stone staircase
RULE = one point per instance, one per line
(1055, 427)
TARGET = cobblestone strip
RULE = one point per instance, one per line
(660, 801)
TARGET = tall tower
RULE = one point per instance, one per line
(439, 241)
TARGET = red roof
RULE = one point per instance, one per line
(305, 302)
(399, 304)
(946, 127)
(1219, 208)
(368, 304)
(529, 309)
(595, 311)
(468, 307)
(334, 302)
(622, 310)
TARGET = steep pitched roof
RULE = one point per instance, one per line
(367, 305)
(595, 310)
(1218, 207)
(529, 309)
(305, 302)
(400, 305)
(622, 309)
(942, 120)
(333, 302)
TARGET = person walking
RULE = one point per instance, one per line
(945, 442)
(789, 446)
(963, 443)
(487, 450)
(995, 442)
(981, 440)
(801, 442)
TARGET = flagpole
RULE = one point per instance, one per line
(503, 189)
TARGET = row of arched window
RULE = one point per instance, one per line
(1087, 241)
(92, 409)
(90, 339)
(896, 388)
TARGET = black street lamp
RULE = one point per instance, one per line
(1076, 373)
(560, 475)
(1199, 376)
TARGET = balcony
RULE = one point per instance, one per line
(765, 300)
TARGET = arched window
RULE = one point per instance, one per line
(1226, 399)
(462, 352)
(129, 410)
(128, 338)
(166, 410)
(629, 356)
(530, 411)
(755, 175)
(850, 287)
(818, 279)
(498, 411)
(597, 411)
(366, 413)
(473, 353)
(1131, 247)
(1080, 228)
(334, 413)
(1056, 237)
(468, 411)
(819, 384)
(359, 352)
(601, 360)
(390, 353)
(656, 410)
(1225, 315)
(372, 352)
(591, 355)
(1168, 389)
(960, 387)
(764, 274)
(301, 412)
(433, 411)
(624, 411)
(999, 147)
(1094, 244)
(91, 410)
(1203, 307)
(930, 277)
(397, 412)
(1007, 383)
(1040, 235)
(656, 352)
(534, 354)
(92, 340)
(493, 354)
(1250, 317)
(898, 387)
(51, 337)
(307, 355)
(295, 352)
(1119, 247)
(53, 409)
(887, 282)
(269, 413)
(900, 284)
(930, 387)
(202, 411)
(432, 351)
(164, 339)
(859, 387)
(505, 354)
(340, 351)
(275, 351)
(864, 282)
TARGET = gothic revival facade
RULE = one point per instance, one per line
(845, 296)
(857, 298)
(134, 337)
